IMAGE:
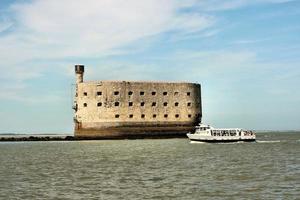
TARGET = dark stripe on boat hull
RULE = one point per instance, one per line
(223, 141)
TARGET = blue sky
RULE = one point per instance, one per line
(245, 54)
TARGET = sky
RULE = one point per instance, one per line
(244, 53)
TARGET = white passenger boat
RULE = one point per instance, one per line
(206, 133)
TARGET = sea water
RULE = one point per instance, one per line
(152, 169)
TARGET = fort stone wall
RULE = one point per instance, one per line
(123, 109)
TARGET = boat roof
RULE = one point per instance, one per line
(218, 129)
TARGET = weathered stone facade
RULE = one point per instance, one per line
(122, 109)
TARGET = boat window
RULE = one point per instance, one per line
(189, 104)
(154, 116)
(232, 132)
(153, 93)
(165, 93)
(130, 93)
(142, 116)
(189, 116)
(176, 104)
(165, 103)
(116, 93)
(176, 115)
(142, 103)
(85, 93)
(117, 116)
(153, 104)
(131, 116)
(99, 104)
(85, 105)
(166, 116)
(130, 104)
(99, 93)
(142, 93)
(117, 103)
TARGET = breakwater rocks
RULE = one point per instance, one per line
(24, 137)
(15, 138)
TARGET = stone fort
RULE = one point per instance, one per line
(133, 109)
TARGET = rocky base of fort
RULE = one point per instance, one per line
(72, 138)
(35, 138)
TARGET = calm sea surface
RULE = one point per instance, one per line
(152, 169)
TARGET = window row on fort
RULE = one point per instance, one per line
(141, 93)
(143, 116)
(142, 104)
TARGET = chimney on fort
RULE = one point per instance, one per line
(79, 70)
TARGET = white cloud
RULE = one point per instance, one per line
(59, 29)
(56, 29)
(5, 25)
(44, 30)
(93, 28)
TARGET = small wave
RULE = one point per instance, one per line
(267, 141)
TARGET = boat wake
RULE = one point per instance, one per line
(267, 141)
(197, 142)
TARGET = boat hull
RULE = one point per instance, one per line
(223, 141)
(220, 139)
